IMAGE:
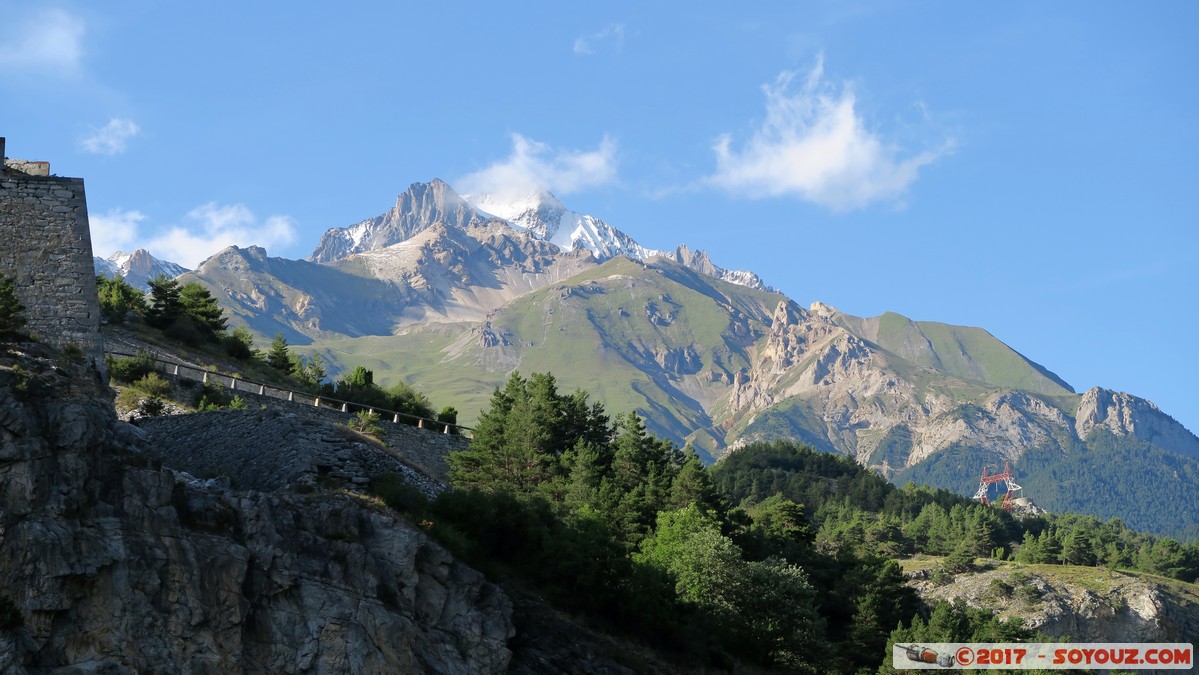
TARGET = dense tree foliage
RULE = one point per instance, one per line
(119, 299)
(239, 343)
(766, 607)
(165, 306)
(187, 313)
(655, 546)
(856, 508)
(202, 309)
(358, 386)
(780, 555)
(531, 436)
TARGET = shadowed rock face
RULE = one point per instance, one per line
(117, 565)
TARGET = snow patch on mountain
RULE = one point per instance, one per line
(536, 212)
(544, 217)
(136, 268)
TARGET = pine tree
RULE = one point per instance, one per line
(279, 356)
(165, 305)
(1076, 548)
(199, 305)
(519, 442)
(693, 485)
(118, 298)
(310, 372)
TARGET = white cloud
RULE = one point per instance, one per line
(589, 44)
(47, 40)
(111, 139)
(533, 165)
(114, 231)
(213, 227)
(814, 145)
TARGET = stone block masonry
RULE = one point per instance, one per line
(46, 248)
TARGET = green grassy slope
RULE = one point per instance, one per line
(658, 339)
(968, 353)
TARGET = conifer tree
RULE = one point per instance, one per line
(118, 298)
(278, 356)
(520, 441)
(199, 305)
(693, 485)
(165, 305)
(310, 372)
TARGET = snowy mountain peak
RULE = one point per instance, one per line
(542, 215)
(137, 268)
(513, 205)
(533, 210)
(700, 262)
(415, 210)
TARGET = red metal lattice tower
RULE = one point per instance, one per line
(984, 484)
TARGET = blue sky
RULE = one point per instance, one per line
(1025, 167)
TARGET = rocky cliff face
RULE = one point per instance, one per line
(700, 262)
(861, 397)
(118, 565)
(420, 206)
(1083, 604)
(895, 407)
(448, 273)
(1126, 415)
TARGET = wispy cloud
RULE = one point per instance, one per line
(46, 40)
(111, 139)
(212, 227)
(590, 44)
(115, 230)
(534, 165)
(814, 145)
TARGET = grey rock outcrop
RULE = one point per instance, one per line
(1081, 604)
(700, 262)
(1127, 415)
(416, 209)
(117, 564)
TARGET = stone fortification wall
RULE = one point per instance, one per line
(423, 448)
(269, 451)
(426, 448)
(47, 251)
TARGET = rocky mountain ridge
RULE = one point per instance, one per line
(416, 209)
(136, 268)
(450, 298)
(545, 218)
(116, 564)
(539, 214)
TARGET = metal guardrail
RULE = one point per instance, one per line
(239, 384)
